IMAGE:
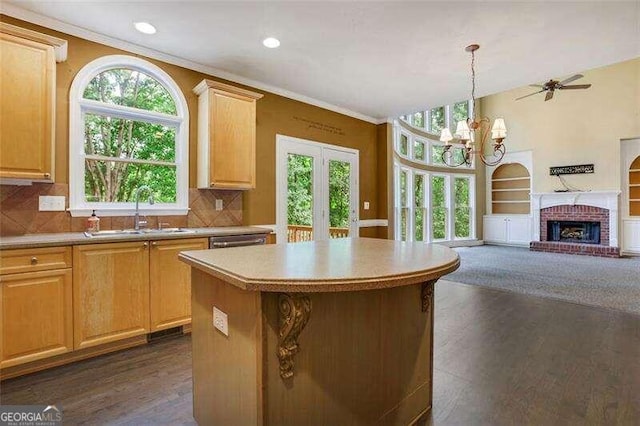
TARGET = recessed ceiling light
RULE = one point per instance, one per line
(271, 42)
(145, 27)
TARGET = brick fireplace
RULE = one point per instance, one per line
(576, 223)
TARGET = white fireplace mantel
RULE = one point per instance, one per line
(609, 200)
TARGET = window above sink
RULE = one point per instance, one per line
(128, 127)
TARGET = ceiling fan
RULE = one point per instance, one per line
(552, 85)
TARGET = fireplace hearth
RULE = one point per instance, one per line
(581, 232)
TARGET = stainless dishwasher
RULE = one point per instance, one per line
(237, 241)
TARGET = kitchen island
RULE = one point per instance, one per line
(319, 333)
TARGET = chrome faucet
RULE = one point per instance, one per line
(136, 218)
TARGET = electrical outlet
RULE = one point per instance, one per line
(51, 203)
(366, 205)
(220, 321)
(218, 205)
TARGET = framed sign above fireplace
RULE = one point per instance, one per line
(571, 170)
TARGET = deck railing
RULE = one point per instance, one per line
(297, 233)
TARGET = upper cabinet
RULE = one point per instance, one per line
(27, 104)
(226, 136)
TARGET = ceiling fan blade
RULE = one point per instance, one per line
(549, 95)
(537, 85)
(575, 86)
(570, 79)
(530, 94)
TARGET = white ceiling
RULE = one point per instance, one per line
(378, 59)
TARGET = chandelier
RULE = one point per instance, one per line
(471, 130)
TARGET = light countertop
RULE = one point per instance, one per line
(75, 238)
(344, 264)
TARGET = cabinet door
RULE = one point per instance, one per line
(27, 84)
(232, 130)
(170, 283)
(519, 230)
(495, 229)
(36, 316)
(110, 292)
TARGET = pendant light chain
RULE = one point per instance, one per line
(473, 84)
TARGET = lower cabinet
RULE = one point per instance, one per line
(36, 316)
(57, 300)
(507, 229)
(110, 292)
(170, 285)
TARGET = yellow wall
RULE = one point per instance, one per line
(275, 115)
(575, 127)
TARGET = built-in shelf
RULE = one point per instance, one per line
(634, 188)
(510, 189)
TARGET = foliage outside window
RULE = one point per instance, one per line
(437, 120)
(339, 172)
(418, 150)
(129, 129)
(403, 206)
(462, 216)
(418, 119)
(419, 210)
(404, 144)
(300, 190)
(438, 207)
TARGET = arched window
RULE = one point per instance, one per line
(129, 126)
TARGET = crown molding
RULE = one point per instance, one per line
(56, 25)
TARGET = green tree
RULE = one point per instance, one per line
(300, 190)
(339, 193)
(123, 139)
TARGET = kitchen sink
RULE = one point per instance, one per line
(125, 232)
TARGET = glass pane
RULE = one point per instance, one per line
(403, 224)
(462, 219)
(460, 112)
(116, 137)
(418, 150)
(403, 189)
(339, 198)
(115, 181)
(418, 119)
(436, 154)
(438, 207)
(299, 198)
(130, 88)
(437, 120)
(419, 208)
(458, 155)
(404, 144)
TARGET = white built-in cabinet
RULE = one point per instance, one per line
(508, 229)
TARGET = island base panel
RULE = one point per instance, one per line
(365, 358)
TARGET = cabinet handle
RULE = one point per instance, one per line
(47, 175)
(155, 243)
(145, 244)
(34, 260)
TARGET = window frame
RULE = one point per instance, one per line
(79, 106)
(427, 204)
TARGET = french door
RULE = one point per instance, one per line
(316, 190)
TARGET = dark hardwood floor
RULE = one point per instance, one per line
(501, 358)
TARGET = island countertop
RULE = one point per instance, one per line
(345, 264)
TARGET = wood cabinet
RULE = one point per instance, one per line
(509, 230)
(27, 104)
(35, 305)
(110, 292)
(170, 284)
(226, 136)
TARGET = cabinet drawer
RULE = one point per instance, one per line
(37, 259)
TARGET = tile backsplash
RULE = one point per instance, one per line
(19, 212)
